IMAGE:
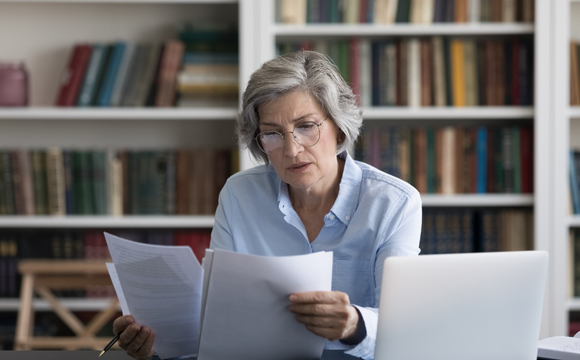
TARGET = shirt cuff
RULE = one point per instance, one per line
(366, 348)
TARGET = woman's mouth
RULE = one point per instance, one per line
(300, 167)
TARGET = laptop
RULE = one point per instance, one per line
(478, 306)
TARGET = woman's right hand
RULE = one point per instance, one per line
(136, 340)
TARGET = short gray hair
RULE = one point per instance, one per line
(307, 71)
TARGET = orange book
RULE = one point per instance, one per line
(574, 79)
(458, 73)
(448, 151)
(460, 11)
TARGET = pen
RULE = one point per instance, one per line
(110, 344)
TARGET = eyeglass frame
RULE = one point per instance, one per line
(283, 134)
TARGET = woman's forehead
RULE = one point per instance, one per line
(291, 106)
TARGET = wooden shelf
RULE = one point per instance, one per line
(74, 304)
(107, 222)
(282, 30)
(52, 113)
(444, 113)
(469, 200)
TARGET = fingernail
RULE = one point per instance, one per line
(292, 297)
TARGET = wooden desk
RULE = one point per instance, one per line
(43, 276)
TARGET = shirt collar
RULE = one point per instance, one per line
(348, 193)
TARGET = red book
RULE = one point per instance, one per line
(527, 159)
(515, 80)
(364, 6)
(353, 64)
(74, 75)
(169, 67)
(199, 241)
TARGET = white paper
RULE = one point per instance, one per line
(559, 347)
(246, 313)
(118, 289)
(162, 286)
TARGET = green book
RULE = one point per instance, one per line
(343, 49)
(516, 160)
(403, 9)
(431, 158)
(39, 181)
(88, 204)
(99, 182)
(333, 11)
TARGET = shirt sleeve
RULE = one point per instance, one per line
(221, 235)
(402, 239)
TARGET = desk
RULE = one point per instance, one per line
(116, 355)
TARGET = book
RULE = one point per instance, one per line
(426, 76)
(73, 75)
(56, 182)
(121, 80)
(146, 76)
(109, 76)
(574, 76)
(39, 181)
(481, 160)
(93, 74)
(439, 83)
(170, 62)
(22, 176)
(458, 72)
(414, 73)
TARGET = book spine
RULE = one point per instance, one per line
(481, 160)
(110, 74)
(74, 75)
(93, 72)
(56, 182)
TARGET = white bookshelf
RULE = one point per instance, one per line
(477, 200)
(97, 304)
(446, 113)
(107, 222)
(52, 113)
(283, 30)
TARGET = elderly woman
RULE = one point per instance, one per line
(299, 117)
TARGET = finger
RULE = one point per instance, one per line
(322, 297)
(320, 321)
(121, 323)
(135, 347)
(319, 309)
(146, 349)
(324, 332)
(128, 335)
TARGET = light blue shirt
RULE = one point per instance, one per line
(375, 216)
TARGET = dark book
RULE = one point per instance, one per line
(527, 159)
(467, 231)
(100, 80)
(439, 11)
(105, 92)
(39, 181)
(508, 73)
(183, 162)
(93, 74)
(99, 182)
(448, 77)
(491, 185)
(74, 75)
(154, 85)
(403, 11)
(7, 183)
(482, 160)
(507, 157)
(481, 73)
(68, 182)
(576, 262)
(515, 72)
(498, 161)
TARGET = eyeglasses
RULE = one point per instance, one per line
(305, 134)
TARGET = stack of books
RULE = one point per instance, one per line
(465, 230)
(121, 74)
(453, 159)
(403, 11)
(112, 182)
(81, 244)
(435, 71)
(210, 74)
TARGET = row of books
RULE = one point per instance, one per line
(462, 231)
(85, 244)
(112, 182)
(403, 11)
(574, 74)
(453, 159)
(131, 74)
(434, 71)
(575, 250)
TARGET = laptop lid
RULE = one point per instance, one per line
(477, 306)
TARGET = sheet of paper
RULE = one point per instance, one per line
(246, 312)
(118, 289)
(162, 286)
(559, 347)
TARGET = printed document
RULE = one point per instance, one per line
(162, 289)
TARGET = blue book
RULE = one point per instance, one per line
(94, 70)
(481, 160)
(110, 75)
(574, 184)
(370, 11)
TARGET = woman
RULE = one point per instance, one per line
(298, 117)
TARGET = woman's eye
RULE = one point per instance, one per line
(308, 126)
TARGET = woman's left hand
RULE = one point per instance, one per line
(326, 313)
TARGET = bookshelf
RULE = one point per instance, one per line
(269, 32)
(566, 136)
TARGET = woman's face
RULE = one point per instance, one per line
(304, 168)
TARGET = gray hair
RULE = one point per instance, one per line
(307, 71)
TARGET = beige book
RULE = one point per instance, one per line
(116, 187)
(474, 11)
(414, 73)
(293, 11)
(391, 13)
(440, 87)
(427, 11)
(55, 182)
(416, 11)
(574, 76)
(404, 72)
(380, 11)
(352, 10)
(448, 150)
(365, 72)
(508, 11)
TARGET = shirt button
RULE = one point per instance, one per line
(347, 217)
(331, 217)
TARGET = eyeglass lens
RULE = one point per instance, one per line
(306, 134)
